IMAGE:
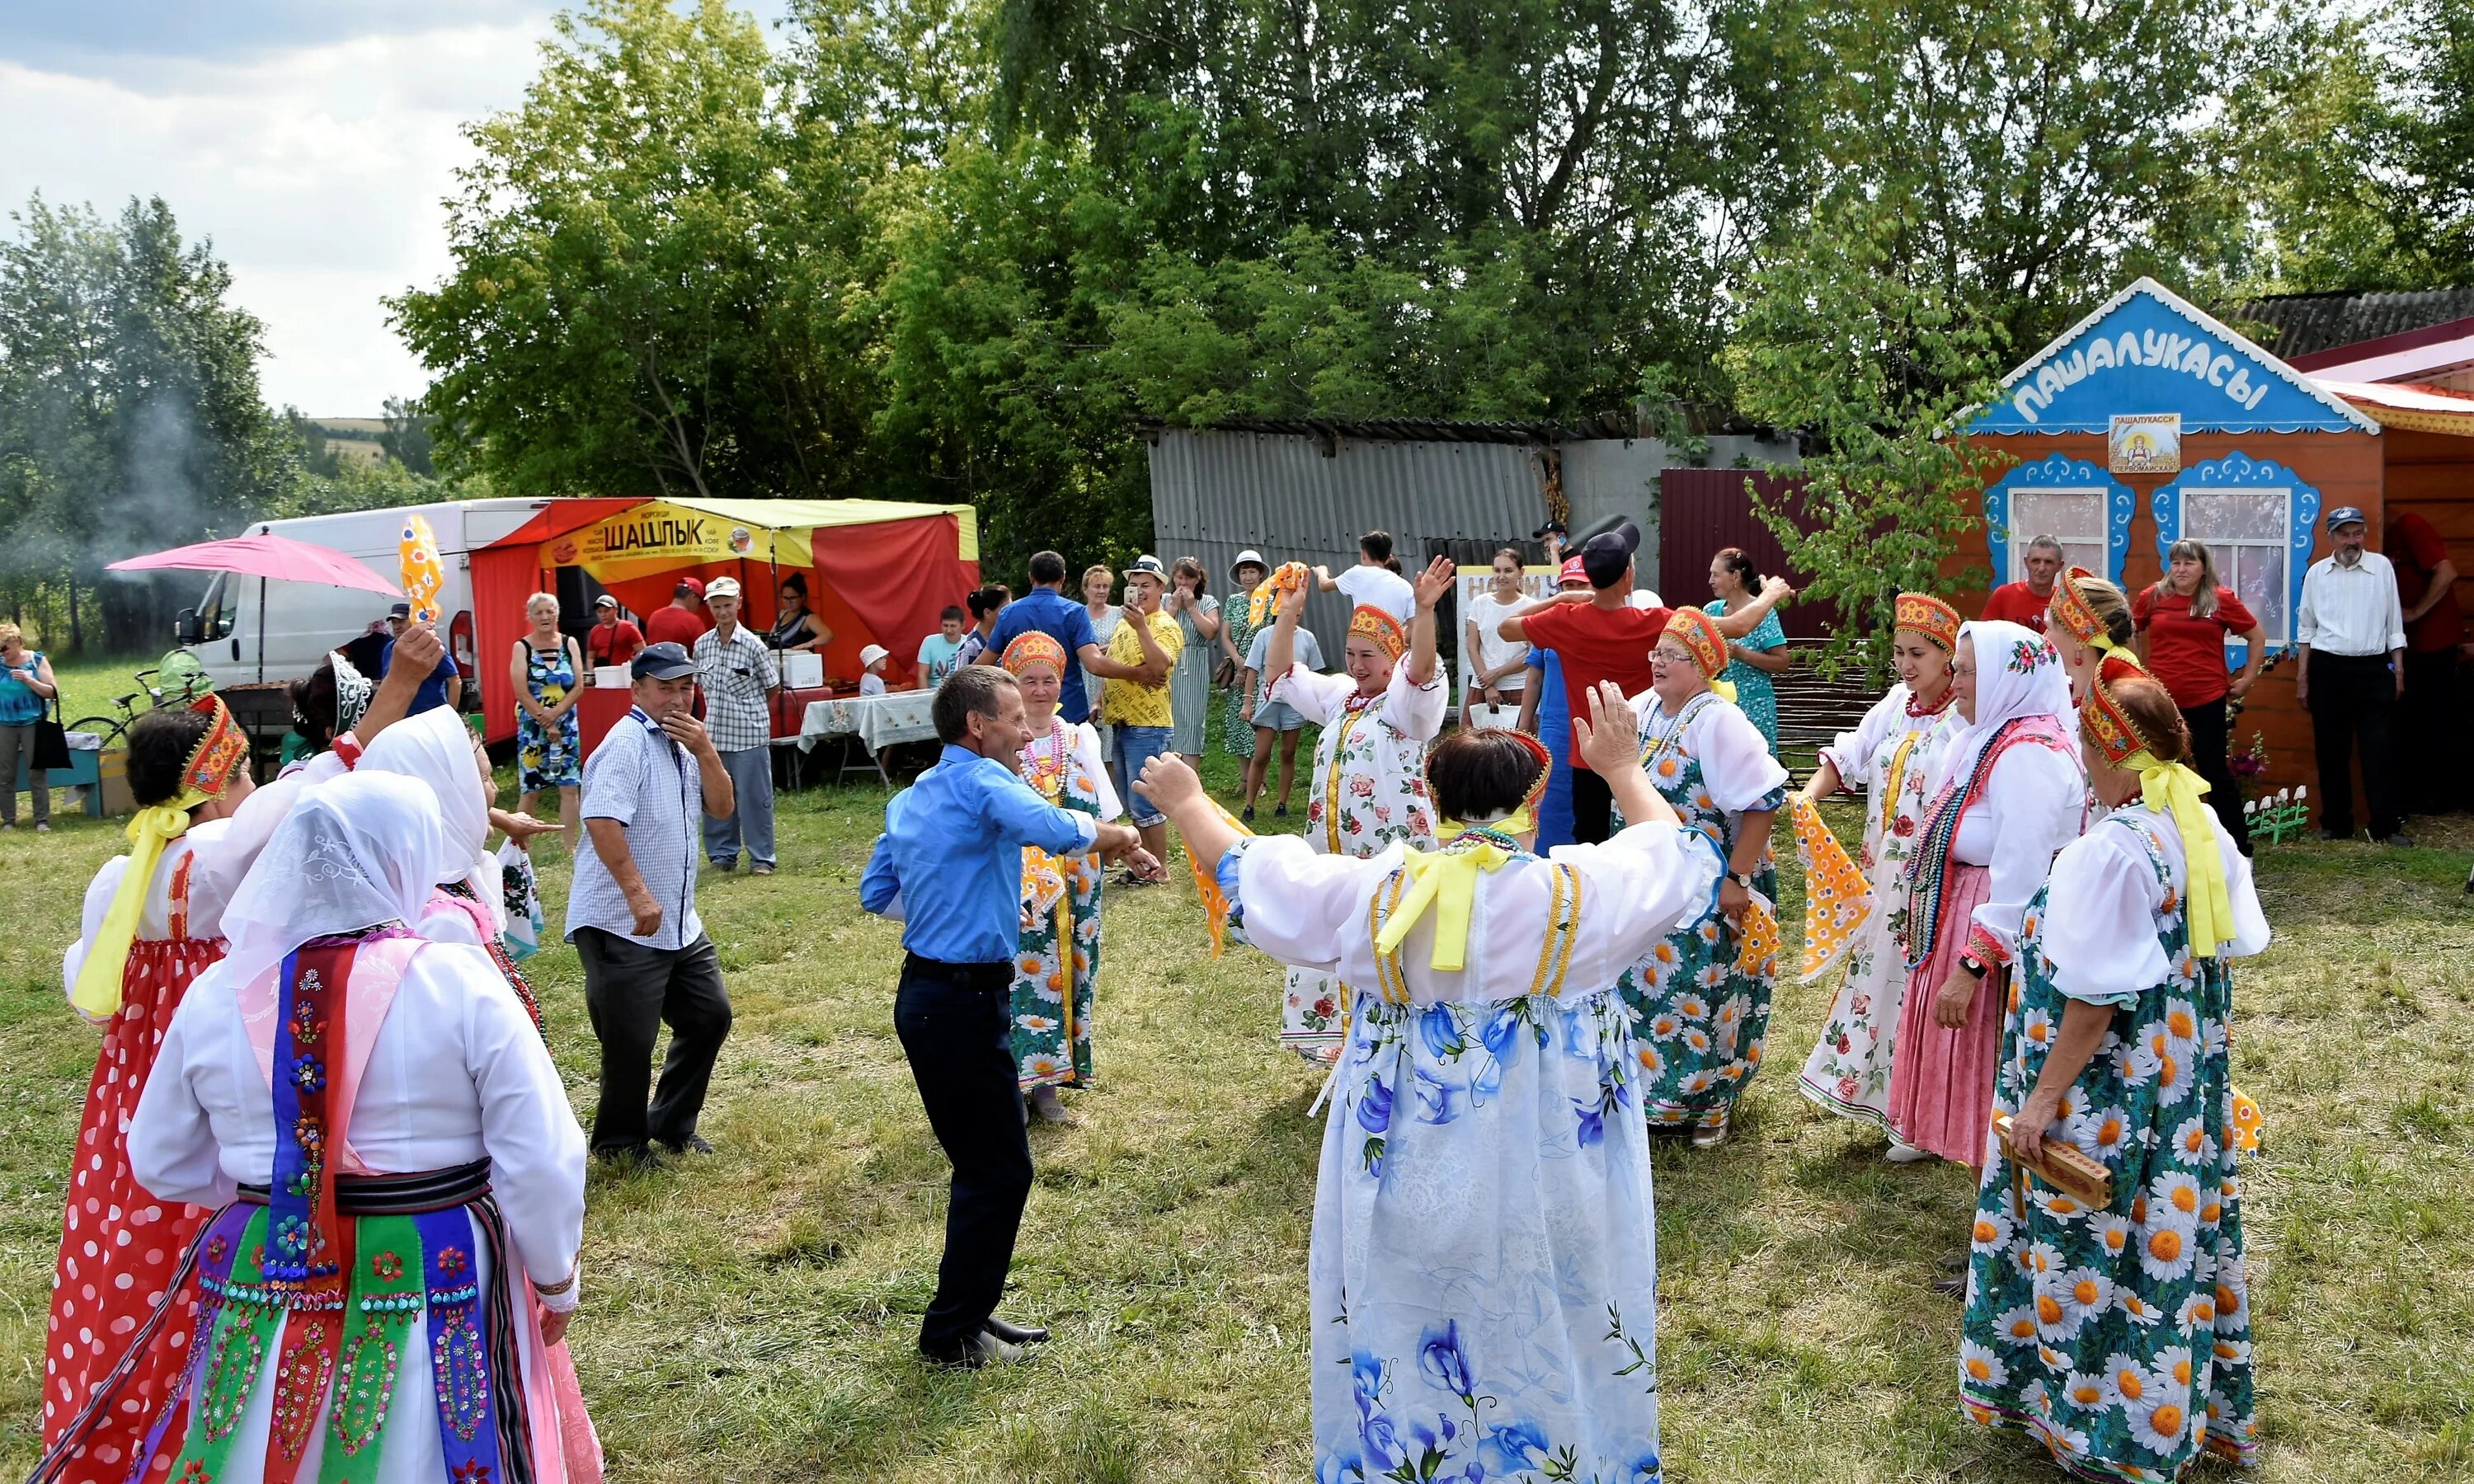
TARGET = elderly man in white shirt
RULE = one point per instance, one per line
(2349, 670)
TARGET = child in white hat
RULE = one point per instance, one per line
(871, 660)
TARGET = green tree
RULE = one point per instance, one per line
(130, 414)
(404, 437)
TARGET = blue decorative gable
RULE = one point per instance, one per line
(2150, 350)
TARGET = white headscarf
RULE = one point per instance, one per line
(2017, 674)
(352, 853)
(436, 747)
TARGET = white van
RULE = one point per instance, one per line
(247, 630)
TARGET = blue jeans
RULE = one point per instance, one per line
(1135, 747)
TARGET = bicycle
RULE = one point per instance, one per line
(111, 728)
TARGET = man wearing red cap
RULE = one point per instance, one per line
(682, 621)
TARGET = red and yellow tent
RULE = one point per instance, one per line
(879, 571)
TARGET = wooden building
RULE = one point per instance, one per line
(2152, 420)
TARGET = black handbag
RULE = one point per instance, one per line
(50, 749)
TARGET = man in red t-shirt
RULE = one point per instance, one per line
(2434, 627)
(681, 621)
(1599, 635)
(2025, 603)
(612, 640)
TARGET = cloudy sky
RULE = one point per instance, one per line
(312, 141)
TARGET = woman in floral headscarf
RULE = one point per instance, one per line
(2007, 794)
(1701, 999)
(1889, 758)
(1058, 959)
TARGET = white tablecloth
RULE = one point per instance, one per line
(879, 722)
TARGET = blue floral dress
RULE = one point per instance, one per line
(547, 759)
(1701, 1015)
(1482, 1273)
(1755, 694)
(2119, 1337)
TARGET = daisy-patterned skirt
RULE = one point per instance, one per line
(2119, 1337)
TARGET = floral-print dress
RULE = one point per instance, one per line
(1052, 1033)
(1238, 615)
(2121, 1338)
(1756, 694)
(1482, 1272)
(1367, 792)
(1700, 1015)
(1890, 760)
(547, 759)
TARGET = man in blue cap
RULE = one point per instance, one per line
(2349, 669)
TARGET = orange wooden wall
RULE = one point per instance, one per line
(2345, 467)
(2433, 476)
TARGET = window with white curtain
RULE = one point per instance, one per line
(2247, 532)
(2076, 517)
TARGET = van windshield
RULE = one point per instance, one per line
(212, 621)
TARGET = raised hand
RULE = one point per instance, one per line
(1608, 739)
(1436, 580)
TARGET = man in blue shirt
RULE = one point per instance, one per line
(1047, 608)
(444, 685)
(949, 869)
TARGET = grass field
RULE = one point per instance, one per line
(750, 1317)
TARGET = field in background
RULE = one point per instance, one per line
(750, 1317)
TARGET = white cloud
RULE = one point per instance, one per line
(317, 170)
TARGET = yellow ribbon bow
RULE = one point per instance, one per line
(1724, 690)
(97, 995)
(2173, 788)
(1445, 879)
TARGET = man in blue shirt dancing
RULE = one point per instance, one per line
(949, 869)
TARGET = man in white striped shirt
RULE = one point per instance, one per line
(2349, 669)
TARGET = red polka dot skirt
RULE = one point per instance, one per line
(119, 1246)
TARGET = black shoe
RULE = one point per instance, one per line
(628, 1159)
(1014, 1334)
(980, 1350)
(1248, 815)
(693, 1143)
(1280, 813)
(2400, 840)
(2332, 835)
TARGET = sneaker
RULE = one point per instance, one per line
(725, 867)
(1045, 1102)
(42, 828)
(9, 828)
(761, 869)
(1709, 1136)
(2400, 840)
(1280, 813)
(1248, 815)
(1906, 1154)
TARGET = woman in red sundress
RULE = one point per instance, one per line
(151, 926)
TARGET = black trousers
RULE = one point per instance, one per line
(1593, 808)
(630, 989)
(2209, 760)
(2426, 733)
(2353, 698)
(958, 1032)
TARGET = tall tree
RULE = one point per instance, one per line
(130, 414)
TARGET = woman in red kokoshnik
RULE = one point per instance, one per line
(152, 924)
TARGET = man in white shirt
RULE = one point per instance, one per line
(1373, 583)
(2349, 669)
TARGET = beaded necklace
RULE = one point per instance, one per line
(1480, 834)
(1046, 771)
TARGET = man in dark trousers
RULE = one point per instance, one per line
(949, 869)
(632, 915)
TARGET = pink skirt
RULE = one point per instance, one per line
(1941, 1080)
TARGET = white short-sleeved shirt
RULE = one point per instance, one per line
(650, 784)
(1378, 586)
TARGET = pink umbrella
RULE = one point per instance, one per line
(268, 556)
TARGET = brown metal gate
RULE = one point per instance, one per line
(1703, 510)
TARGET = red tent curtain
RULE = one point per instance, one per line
(897, 576)
(502, 578)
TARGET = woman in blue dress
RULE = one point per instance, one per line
(1482, 1272)
(1759, 655)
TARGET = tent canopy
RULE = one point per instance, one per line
(878, 571)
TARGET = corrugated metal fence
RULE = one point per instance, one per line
(1296, 497)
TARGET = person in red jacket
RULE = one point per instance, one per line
(2183, 624)
(2026, 602)
(2435, 626)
